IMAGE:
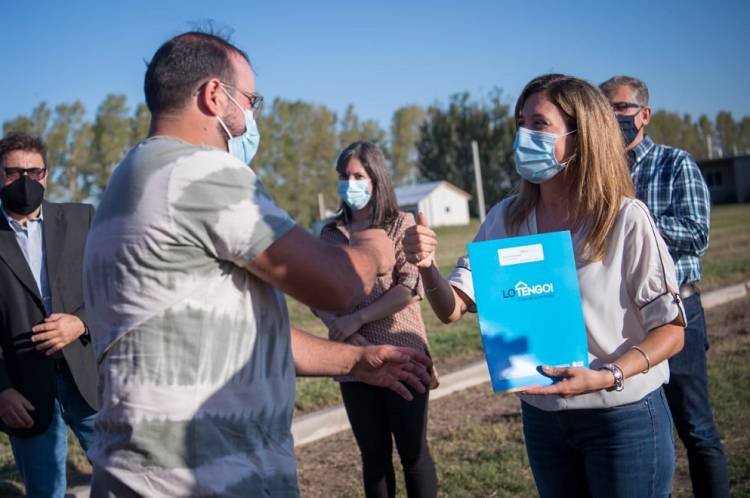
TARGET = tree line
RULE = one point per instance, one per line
(300, 142)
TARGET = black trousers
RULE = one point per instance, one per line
(378, 416)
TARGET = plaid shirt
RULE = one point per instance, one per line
(669, 182)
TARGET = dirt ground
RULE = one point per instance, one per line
(331, 467)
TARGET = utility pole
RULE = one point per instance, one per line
(478, 179)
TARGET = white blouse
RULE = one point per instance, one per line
(624, 296)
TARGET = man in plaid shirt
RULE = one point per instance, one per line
(669, 182)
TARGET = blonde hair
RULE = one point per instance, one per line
(597, 176)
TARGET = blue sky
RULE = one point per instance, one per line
(382, 55)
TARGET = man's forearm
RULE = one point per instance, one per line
(385, 366)
(315, 357)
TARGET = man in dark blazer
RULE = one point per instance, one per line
(47, 367)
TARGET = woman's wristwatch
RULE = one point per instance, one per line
(616, 371)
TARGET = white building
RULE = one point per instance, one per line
(442, 203)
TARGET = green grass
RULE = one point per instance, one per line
(487, 459)
(728, 258)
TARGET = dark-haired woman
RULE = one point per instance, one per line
(389, 315)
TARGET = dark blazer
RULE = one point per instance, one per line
(29, 371)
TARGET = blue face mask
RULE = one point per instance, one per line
(355, 193)
(534, 154)
(244, 146)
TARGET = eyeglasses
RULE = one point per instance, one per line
(624, 106)
(14, 174)
(256, 101)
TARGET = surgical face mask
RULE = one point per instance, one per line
(355, 193)
(245, 146)
(628, 128)
(534, 154)
(22, 196)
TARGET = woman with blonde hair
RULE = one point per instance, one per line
(603, 430)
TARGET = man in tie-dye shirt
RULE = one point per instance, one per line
(183, 264)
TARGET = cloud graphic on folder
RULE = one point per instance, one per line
(520, 366)
(491, 328)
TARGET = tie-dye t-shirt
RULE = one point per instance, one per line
(196, 376)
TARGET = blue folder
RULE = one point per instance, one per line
(529, 307)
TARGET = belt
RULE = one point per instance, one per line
(688, 290)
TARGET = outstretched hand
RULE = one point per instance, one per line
(394, 367)
(573, 381)
(420, 243)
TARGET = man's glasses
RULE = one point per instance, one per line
(14, 174)
(256, 101)
(624, 106)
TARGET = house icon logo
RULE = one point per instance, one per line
(521, 286)
(524, 290)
